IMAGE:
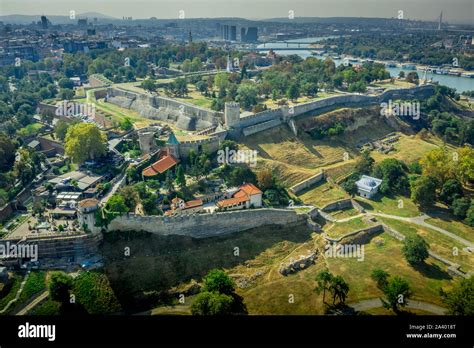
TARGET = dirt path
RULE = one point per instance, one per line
(377, 303)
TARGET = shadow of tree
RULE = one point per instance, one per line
(432, 271)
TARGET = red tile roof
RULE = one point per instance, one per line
(193, 204)
(232, 201)
(250, 189)
(160, 166)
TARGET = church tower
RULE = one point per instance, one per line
(172, 146)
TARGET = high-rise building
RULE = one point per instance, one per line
(225, 32)
(249, 35)
(82, 23)
(233, 33)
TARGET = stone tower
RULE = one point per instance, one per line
(147, 142)
(172, 145)
(232, 114)
(86, 214)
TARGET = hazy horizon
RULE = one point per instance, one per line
(428, 10)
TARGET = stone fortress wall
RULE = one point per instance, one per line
(187, 116)
(207, 225)
(190, 117)
(262, 120)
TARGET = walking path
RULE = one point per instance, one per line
(18, 293)
(377, 303)
(420, 220)
(43, 296)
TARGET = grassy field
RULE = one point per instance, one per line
(271, 292)
(453, 225)
(93, 292)
(439, 243)
(36, 283)
(338, 229)
(49, 307)
(410, 148)
(395, 205)
(322, 194)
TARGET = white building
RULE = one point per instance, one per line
(368, 186)
(247, 196)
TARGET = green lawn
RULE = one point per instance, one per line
(49, 307)
(339, 229)
(439, 243)
(17, 279)
(397, 205)
(30, 129)
(35, 284)
(449, 223)
(322, 194)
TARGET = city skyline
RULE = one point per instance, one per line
(458, 11)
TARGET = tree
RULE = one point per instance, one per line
(218, 296)
(66, 83)
(247, 95)
(451, 190)
(85, 141)
(7, 152)
(116, 204)
(438, 165)
(180, 87)
(365, 163)
(397, 292)
(180, 178)
(240, 175)
(470, 214)
(394, 176)
(413, 77)
(221, 80)
(415, 249)
(130, 197)
(423, 191)
(465, 167)
(460, 206)
(293, 91)
(381, 277)
(339, 289)
(218, 281)
(265, 179)
(60, 129)
(126, 124)
(212, 303)
(323, 279)
(59, 285)
(460, 299)
(149, 85)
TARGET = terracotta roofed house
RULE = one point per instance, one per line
(247, 196)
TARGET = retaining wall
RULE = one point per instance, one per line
(206, 225)
(307, 183)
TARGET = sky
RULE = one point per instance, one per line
(453, 10)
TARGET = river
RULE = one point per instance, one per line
(460, 83)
